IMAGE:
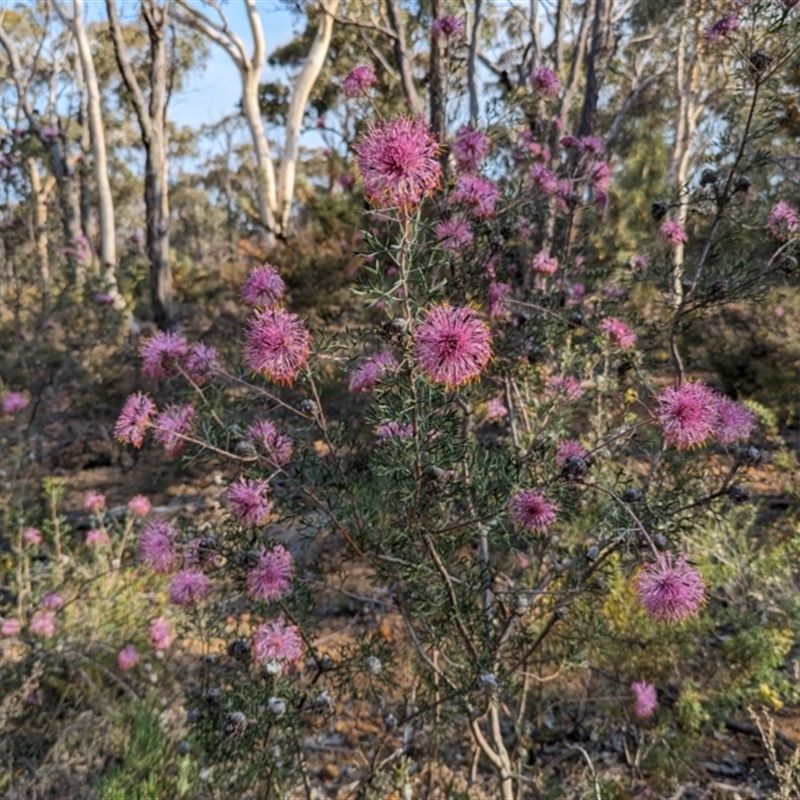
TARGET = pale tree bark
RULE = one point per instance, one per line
(152, 119)
(438, 114)
(41, 189)
(403, 59)
(472, 56)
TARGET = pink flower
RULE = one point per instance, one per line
(734, 422)
(14, 402)
(570, 448)
(646, 700)
(531, 510)
(454, 234)
(568, 387)
(171, 425)
(276, 641)
(264, 287)
(544, 179)
(270, 579)
(32, 537)
(722, 28)
(449, 27)
(127, 658)
(687, 415)
(470, 148)
(544, 263)
(618, 333)
(52, 601)
(544, 80)
(202, 362)
(452, 346)
(600, 177)
(10, 627)
(96, 537)
(162, 353)
(157, 546)
(393, 430)
(139, 505)
(370, 371)
(496, 409)
(498, 294)
(673, 233)
(783, 221)
(670, 592)
(247, 500)
(569, 141)
(134, 419)
(94, 502)
(43, 623)
(276, 345)
(477, 193)
(358, 80)
(592, 145)
(398, 163)
(188, 586)
(160, 634)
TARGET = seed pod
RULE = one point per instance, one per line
(235, 724)
(575, 319)
(751, 456)
(738, 493)
(193, 716)
(592, 553)
(708, 177)
(309, 407)
(240, 650)
(759, 61)
(489, 683)
(742, 183)
(660, 541)
(276, 706)
(719, 288)
(214, 695)
(390, 721)
(574, 468)
(633, 495)
(658, 210)
(373, 665)
(324, 705)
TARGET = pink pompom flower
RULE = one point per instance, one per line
(370, 371)
(127, 658)
(171, 426)
(277, 642)
(10, 627)
(544, 179)
(496, 409)
(670, 591)
(734, 421)
(479, 194)
(94, 502)
(134, 419)
(247, 500)
(452, 346)
(276, 345)
(139, 505)
(160, 634)
(673, 233)
(202, 362)
(157, 546)
(618, 333)
(277, 446)
(263, 288)
(43, 623)
(52, 601)
(646, 700)
(398, 163)
(270, 579)
(570, 448)
(393, 430)
(469, 148)
(564, 386)
(544, 263)
(722, 28)
(532, 511)
(32, 537)
(783, 221)
(449, 27)
(688, 415)
(454, 234)
(496, 300)
(358, 80)
(96, 538)
(545, 81)
(188, 586)
(14, 402)
(162, 353)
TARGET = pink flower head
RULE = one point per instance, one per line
(646, 700)
(157, 546)
(673, 233)
(544, 263)
(32, 537)
(393, 430)
(783, 221)
(52, 601)
(162, 353)
(570, 142)
(160, 634)
(277, 641)
(531, 510)
(593, 145)
(264, 287)
(171, 425)
(398, 163)
(600, 177)
(139, 505)
(564, 386)
(370, 371)
(247, 500)
(96, 537)
(687, 415)
(450, 27)
(127, 658)
(10, 627)
(734, 421)
(276, 345)
(570, 448)
(270, 579)
(498, 294)
(43, 623)
(545, 81)
(544, 179)
(277, 446)
(358, 80)
(134, 419)
(496, 409)
(477, 193)
(452, 346)
(670, 591)
(454, 234)
(722, 28)
(618, 333)
(94, 502)
(470, 148)
(14, 402)
(202, 362)
(188, 586)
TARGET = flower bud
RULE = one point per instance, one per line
(276, 706)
